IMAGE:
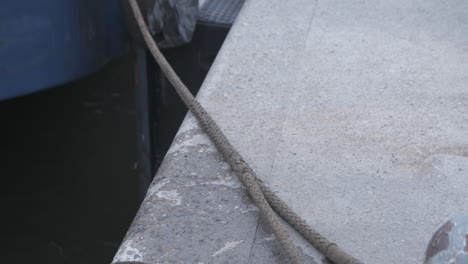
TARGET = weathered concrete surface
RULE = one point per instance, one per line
(196, 211)
(355, 112)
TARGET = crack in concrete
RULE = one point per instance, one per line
(249, 260)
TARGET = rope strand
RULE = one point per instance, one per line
(269, 204)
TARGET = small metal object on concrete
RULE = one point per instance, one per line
(450, 243)
(354, 112)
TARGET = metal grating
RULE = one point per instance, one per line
(220, 11)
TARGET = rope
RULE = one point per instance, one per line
(269, 204)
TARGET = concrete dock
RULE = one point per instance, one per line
(354, 112)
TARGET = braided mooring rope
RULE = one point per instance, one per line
(269, 204)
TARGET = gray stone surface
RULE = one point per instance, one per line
(196, 211)
(355, 112)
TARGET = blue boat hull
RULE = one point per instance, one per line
(50, 42)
